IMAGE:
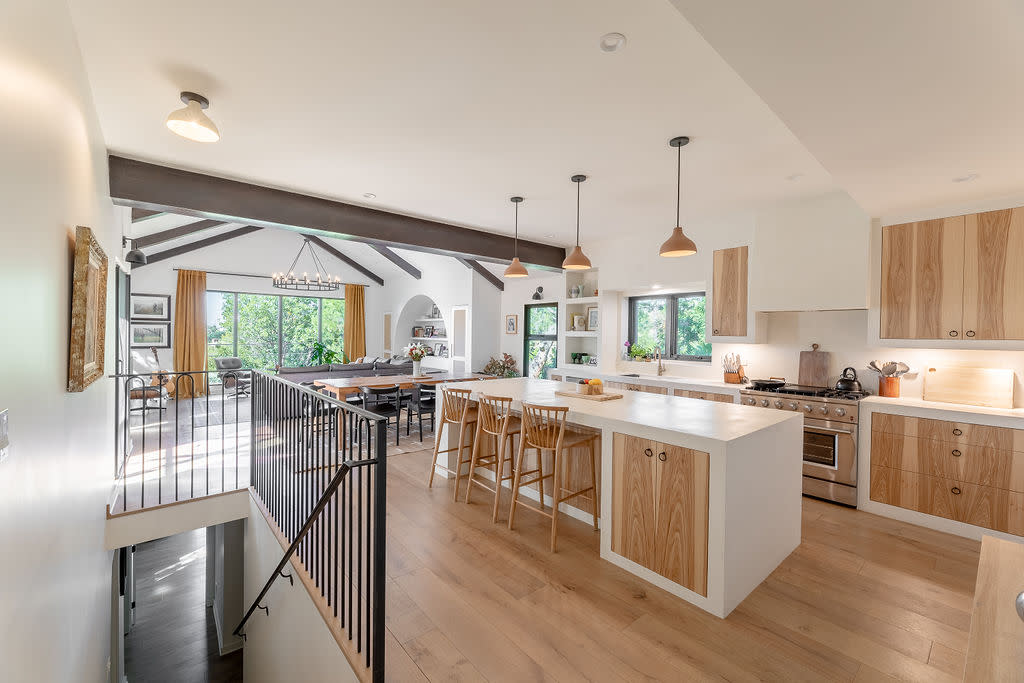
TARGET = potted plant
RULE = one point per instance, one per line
(639, 353)
(503, 367)
(416, 352)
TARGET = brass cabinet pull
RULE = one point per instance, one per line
(970, 333)
(955, 490)
(662, 457)
(648, 452)
(957, 432)
(956, 452)
(714, 331)
(953, 333)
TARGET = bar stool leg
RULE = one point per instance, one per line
(517, 474)
(499, 470)
(540, 473)
(437, 447)
(556, 484)
(459, 460)
(472, 462)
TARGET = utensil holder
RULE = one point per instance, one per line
(889, 387)
(734, 377)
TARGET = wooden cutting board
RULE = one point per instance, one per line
(988, 387)
(589, 397)
(814, 367)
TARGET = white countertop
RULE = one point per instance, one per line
(671, 381)
(999, 417)
(685, 416)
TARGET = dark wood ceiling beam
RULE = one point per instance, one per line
(397, 260)
(143, 214)
(199, 244)
(158, 188)
(484, 273)
(346, 259)
(173, 233)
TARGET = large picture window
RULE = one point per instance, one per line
(540, 341)
(266, 330)
(673, 324)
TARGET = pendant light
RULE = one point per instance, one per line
(516, 269)
(678, 244)
(190, 121)
(577, 260)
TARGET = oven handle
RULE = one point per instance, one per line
(829, 430)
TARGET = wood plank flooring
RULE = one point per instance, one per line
(863, 598)
(174, 637)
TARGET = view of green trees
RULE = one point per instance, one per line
(541, 352)
(690, 325)
(652, 322)
(256, 340)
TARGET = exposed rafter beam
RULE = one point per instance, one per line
(345, 259)
(173, 233)
(158, 188)
(199, 244)
(143, 214)
(484, 273)
(397, 260)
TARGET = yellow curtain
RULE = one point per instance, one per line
(355, 322)
(190, 331)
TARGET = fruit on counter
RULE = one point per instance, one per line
(583, 381)
(596, 380)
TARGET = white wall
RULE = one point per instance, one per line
(518, 292)
(292, 643)
(55, 603)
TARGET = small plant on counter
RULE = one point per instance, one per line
(639, 352)
(502, 367)
(415, 351)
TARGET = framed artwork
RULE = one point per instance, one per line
(417, 332)
(88, 311)
(150, 307)
(441, 350)
(512, 324)
(428, 330)
(435, 312)
(592, 318)
(145, 335)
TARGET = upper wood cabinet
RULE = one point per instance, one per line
(729, 293)
(994, 275)
(660, 509)
(954, 278)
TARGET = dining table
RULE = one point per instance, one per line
(341, 387)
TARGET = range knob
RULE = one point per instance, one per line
(793, 405)
(778, 403)
(840, 411)
(824, 410)
(765, 402)
(751, 401)
(808, 407)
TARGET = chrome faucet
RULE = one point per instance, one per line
(661, 366)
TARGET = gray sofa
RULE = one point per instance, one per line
(378, 368)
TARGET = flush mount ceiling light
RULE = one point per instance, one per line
(612, 42)
(965, 178)
(369, 195)
(190, 121)
(577, 260)
(678, 244)
(516, 269)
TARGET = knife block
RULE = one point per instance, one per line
(734, 377)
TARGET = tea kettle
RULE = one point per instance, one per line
(848, 381)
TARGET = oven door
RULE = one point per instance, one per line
(830, 452)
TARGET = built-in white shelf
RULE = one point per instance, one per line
(430, 320)
(433, 339)
(590, 300)
(578, 333)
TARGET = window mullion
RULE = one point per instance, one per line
(672, 308)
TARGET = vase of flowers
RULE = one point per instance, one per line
(416, 352)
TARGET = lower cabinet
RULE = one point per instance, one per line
(660, 509)
(629, 386)
(705, 395)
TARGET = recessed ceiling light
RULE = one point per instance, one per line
(965, 178)
(190, 121)
(792, 177)
(549, 235)
(369, 195)
(611, 42)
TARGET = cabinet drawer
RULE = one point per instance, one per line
(983, 506)
(704, 395)
(961, 462)
(1000, 438)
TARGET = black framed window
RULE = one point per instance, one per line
(540, 339)
(673, 324)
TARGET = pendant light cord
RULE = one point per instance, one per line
(515, 250)
(578, 213)
(679, 181)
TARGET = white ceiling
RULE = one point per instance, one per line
(444, 110)
(894, 98)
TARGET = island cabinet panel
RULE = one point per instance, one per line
(630, 386)
(705, 395)
(729, 295)
(993, 300)
(922, 280)
(660, 509)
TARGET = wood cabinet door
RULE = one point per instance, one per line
(682, 517)
(634, 485)
(729, 296)
(994, 275)
(922, 280)
(650, 389)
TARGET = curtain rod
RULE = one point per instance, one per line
(262, 277)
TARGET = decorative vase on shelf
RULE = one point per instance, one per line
(416, 369)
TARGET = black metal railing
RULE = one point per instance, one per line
(173, 445)
(318, 466)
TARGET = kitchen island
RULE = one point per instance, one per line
(699, 498)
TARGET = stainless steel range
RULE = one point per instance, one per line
(830, 435)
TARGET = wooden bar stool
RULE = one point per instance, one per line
(455, 410)
(544, 430)
(496, 420)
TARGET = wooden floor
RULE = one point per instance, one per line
(175, 638)
(863, 598)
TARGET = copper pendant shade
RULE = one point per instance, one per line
(678, 244)
(577, 260)
(516, 269)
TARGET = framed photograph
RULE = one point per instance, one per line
(417, 332)
(151, 307)
(435, 312)
(592, 318)
(88, 311)
(512, 324)
(428, 330)
(145, 335)
(441, 350)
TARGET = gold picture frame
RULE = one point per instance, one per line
(512, 324)
(88, 311)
